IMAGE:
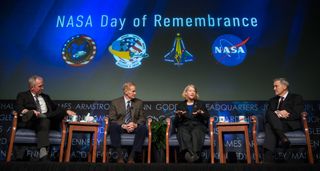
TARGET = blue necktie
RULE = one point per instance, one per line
(128, 116)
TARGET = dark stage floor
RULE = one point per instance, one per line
(83, 166)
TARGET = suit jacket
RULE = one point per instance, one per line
(25, 100)
(197, 105)
(293, 104)
(117, 111)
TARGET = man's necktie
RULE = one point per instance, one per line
(280, 103)
(128, 116)
(37, 103)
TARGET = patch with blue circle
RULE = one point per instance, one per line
(229, 50)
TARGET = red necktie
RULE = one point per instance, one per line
(37, 103)
(280, 105)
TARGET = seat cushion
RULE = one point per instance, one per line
(28, 136)
(127, 140)
(295, 137)
(173, 141)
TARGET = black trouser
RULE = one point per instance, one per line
(42, 126)
(191, 136)
(275, 128)
(140, 135)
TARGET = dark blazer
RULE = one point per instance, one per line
(25, 100)
(117, 111)
(293, 104)
(197, 105)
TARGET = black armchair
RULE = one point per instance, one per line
(171, 140)
(297, 138)
(126, 139)
(28, 136)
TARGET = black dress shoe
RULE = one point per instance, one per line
(120, 160)
(284, 142)
(45, 159)
(268, 157)
(190, 157)
(131, 161)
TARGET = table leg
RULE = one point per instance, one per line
(67, 158)
(248, 154)
(90, 148)
(94, 151)
(221, 147)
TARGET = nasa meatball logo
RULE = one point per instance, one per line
(79, 50)
(229, 50)
(128, 50)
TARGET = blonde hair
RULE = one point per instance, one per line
(183, 94)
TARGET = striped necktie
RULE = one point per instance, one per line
(128, 116)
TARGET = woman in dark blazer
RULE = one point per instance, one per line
(191, 122)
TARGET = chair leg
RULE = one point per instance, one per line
(167, 154)
(310, 154)
(105, 154)
(256, 152)
(10, 148)
(9, 153)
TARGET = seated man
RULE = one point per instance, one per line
(283, 115)
(37, 111)
(127, 116)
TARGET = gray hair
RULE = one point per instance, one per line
(283, 81)
(32, 80)
(126, 86)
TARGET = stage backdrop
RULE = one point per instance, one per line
(230, 109)
(230, 49)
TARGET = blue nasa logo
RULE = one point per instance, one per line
(229, 50)
(128, 51)
(79, 50)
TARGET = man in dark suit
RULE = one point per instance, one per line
(283, 115)
(37, 111)
(127, 116)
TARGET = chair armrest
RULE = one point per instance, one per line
(106, 126)
(254, 137)
(304, 121)
(15, 120)
(211, 133)
(211, 121)
(254, 124)
(149, 121)
(149, 139)
(169, 126)
(168, 120)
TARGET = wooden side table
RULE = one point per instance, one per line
(232, 127)
(90, 127)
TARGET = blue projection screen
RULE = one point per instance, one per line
(230, 49)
